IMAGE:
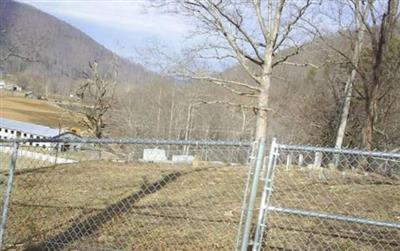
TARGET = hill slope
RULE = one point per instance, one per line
(35, 111)
(60, 51)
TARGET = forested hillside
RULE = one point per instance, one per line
(306, 96)
(53, 53)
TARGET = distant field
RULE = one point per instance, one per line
(34, 111)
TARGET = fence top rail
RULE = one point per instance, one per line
(338, 151)
(133, 141)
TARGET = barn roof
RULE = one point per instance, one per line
(29, 128)
(67, 135)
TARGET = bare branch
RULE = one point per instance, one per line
(302, 65)
(289, 28)
(244, 33)
(253, 108)
(261, 20)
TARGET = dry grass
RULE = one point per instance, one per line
(348, 193)
(129, 207)
(34, 111)
(22, 163)
(106, 205)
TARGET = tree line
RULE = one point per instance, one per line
(309, 71)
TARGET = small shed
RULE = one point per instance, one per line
(15, 88)
(30, 94)
(68, 146)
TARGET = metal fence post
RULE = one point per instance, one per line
(253, 194)
(250, 162)
(265, 197)
(7, 193)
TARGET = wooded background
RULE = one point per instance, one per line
(313, 54)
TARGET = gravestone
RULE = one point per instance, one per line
(301, 160)
(154, 155)
(288, 161)
(318, 160)
(183, 159)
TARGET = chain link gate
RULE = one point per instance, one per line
(329, 199)
(124, 194)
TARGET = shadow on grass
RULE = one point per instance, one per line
(90, 226)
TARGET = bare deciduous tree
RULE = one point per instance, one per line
(366, 83)
(360, 14)
(96, 95)
(380, 31)
(251, 33)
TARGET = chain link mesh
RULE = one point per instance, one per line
(160, 195)
(324, 199)
(127, 196)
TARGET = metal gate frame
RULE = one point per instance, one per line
(265, 207)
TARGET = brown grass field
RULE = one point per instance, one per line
(34, 111)
(93, 205)
(135, 206)
(350, 193)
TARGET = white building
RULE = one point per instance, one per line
(11, 129)
(9, 86)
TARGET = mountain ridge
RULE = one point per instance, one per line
(59, 51)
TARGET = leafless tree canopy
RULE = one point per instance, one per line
(252, 34)
(96, 95)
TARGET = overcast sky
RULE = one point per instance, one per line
(121, 25)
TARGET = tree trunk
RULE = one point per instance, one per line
(243, 129)
(188, 128)
(345, 112)
(368, 130)
(188, 121)
(262, 116)
(159, 114)
(360, 15)
(171, 115)
(379, 47)
(171, 119)
(263, 98)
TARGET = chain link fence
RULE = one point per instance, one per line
(123, 194)
(196, 195)
(329, 199)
